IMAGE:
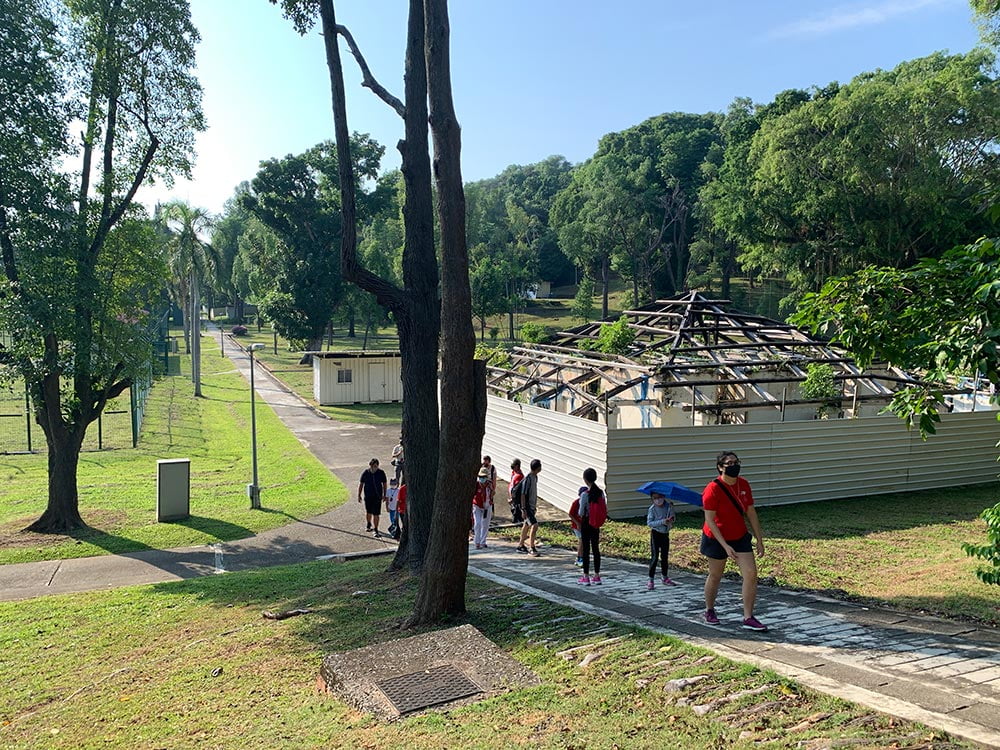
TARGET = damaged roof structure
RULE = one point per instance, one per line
(693, 361)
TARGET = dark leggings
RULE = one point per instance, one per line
(659, 546)
(590, 540)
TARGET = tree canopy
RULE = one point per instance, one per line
(80, 260)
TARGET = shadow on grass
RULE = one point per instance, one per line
(117, 544)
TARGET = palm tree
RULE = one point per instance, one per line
(192, 260)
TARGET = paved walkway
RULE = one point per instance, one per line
(941, 673)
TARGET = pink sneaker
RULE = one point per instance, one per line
(710, 617)
(668, 581)
(752, 623)
(649, 585)
(596, 580)
(585, 580)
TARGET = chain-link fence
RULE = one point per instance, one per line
(119, 423)
(117, 427)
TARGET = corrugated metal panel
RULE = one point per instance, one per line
(565, 445)
(806, 460)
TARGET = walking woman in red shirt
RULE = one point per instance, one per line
(728, 503)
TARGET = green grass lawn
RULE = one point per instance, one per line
(898, 550)
(193, 664)
(118, 487)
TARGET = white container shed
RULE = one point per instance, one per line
(359, 377)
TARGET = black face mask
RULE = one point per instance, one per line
(732, 471)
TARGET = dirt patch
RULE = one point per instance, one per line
(13, 536)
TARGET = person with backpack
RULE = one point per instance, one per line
(482, 508)
(729, 510)
(529, 506)
(514, 491)
(589, 512)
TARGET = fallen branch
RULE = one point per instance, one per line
(704, 708)
(567, 654)
(286, 614)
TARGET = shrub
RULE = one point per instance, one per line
(534, 333)
(615, 338)
(238, 330)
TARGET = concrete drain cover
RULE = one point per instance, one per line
(419, 690)
(434, 671)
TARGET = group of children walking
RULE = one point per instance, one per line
(587, 513)
(730, 529)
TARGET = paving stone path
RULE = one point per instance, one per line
(941, 673)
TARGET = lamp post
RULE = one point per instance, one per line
(253, 489)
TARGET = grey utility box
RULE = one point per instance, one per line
(173, 489)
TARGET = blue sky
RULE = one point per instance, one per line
(535, 78)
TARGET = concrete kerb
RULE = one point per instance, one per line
(341, 557)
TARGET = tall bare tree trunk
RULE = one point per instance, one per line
(463, 379)
(416, 306)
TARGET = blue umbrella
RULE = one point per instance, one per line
(672, 490)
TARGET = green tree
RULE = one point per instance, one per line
(615, 338)
(884, 170)
(226, 233)
(191, 259)
(75, 282)
(988, 14)
(941, 316)
(297, 198)
(635, 200)
(507, 219)
(488, 287)
(583, 302)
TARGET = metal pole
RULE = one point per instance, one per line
(222, 341)
(784, 392)
(975, 390)
(135, 415)
(27, 412)
(255, 491)
(196, 336)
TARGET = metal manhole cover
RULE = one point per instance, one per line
(418, 690)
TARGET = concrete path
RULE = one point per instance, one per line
(941, 673)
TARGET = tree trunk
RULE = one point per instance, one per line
(314, 344)
(605, 282)
(196, 334)
(351, 333)
(186, 321)
(463, 379)
(62, 513)
(416, 306)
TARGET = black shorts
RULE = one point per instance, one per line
(373, 505)
(711, 547)
(529, 515)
